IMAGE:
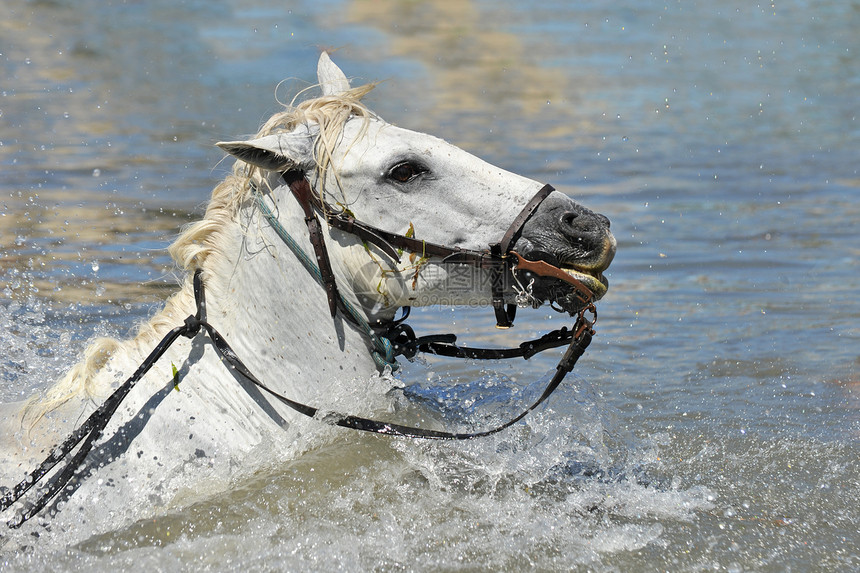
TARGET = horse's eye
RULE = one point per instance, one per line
(406, 171)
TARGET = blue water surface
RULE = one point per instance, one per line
(720, 138)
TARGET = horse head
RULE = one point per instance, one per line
(416, 185)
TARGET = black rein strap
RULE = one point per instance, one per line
(92, 428)
(579, 338)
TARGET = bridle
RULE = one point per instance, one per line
(397, 339)
(498, 259)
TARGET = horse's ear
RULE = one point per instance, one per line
(332, 80)
(278, 152)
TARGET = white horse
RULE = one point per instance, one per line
(191, 426)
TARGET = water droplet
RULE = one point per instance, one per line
(97, 172)
(95, 266)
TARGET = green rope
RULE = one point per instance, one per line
(383, 353)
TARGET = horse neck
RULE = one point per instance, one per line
(263, 302)
(274, 313)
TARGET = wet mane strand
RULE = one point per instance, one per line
(200, 239)
(203, 239)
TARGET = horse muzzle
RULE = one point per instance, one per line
(563, 253)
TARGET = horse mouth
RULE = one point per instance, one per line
(593, 279)
(570, 286)
(567, 294)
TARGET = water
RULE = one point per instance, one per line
(714, 424)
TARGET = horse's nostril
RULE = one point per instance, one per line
(583, 221)
(568, 218)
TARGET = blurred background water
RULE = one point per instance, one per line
(715, 421)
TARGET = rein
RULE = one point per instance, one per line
(398, 339)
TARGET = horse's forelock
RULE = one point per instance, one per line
(329, 113)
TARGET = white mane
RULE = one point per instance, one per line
(202, 240)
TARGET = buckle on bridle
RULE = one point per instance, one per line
(544, 269)
(583, 324)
